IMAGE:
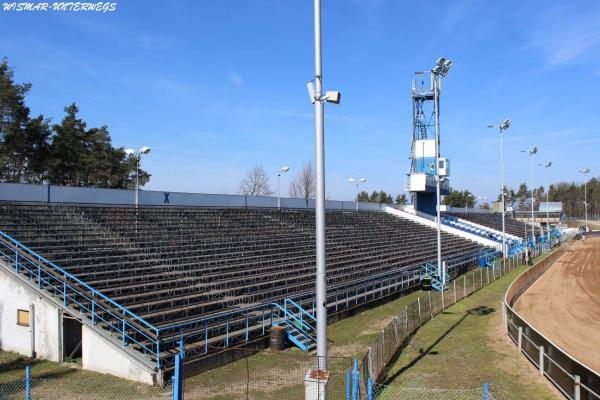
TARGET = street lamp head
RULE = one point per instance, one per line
(351, 180)
(285, 169)
(145, 150)
(548, 164)
(129, 151)
(533, 150)
(362, 180)
(585, 171)
(505, 124)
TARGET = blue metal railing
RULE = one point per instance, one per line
(75, 293)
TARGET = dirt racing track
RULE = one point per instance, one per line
(564, 303)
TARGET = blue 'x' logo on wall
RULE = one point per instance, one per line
(166, 200)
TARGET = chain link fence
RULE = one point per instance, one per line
(87, 387)
(382, 392)
(251, 374)
(395, 335)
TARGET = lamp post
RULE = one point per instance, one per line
(138, 160)
(532, 152)
(283, 170)
(503, 126)
(358, 182)
(546, 166)
(585, 172)
(438, 73)
(315, 92)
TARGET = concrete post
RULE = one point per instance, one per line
(315, 384)
(430, 308)
(454, 288)
(520, 339)
(480, 277)
(419, 304)
(541, 361)
(406, 319)
(577, 388)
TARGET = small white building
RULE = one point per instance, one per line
(35, 325)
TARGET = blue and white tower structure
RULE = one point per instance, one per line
(421, 180)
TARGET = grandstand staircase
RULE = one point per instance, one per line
(487, 260)
(438, 283)
(299, 324)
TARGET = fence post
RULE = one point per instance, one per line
(355, 377)
(473, 279)
(406, 319)
(370, 362)
(480, 278)
(419, 304)
(348, 384)
(370, 389)
(577, 388)
(486, 391)
(465, 286)
(430, 308)
(520, 339)
(541, 360)
(28, 382)
(176, 379)
(454, 288)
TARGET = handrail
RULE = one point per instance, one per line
(72, 277)
(307, 327)
(300, 308)
(116, 318)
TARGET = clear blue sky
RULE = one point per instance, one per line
(215, 87)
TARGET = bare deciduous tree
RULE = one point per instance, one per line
(302, 185)
(255, 183)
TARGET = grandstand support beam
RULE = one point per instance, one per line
(321, 290)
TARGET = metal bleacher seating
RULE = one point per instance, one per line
(494, 221)
(202, 277)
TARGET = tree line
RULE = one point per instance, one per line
(570, 194)
(35, 150)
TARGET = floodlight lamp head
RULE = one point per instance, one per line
(285, 168)
(145, 150)
(419, 74)
(505, 124)
(548, 164)
(533, 150)
(362, 180)
(333, 97)
(440, 61)
(310, 85)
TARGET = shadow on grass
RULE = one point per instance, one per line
(477, 311)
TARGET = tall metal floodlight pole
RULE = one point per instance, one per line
(503, 126)
(438, 72)
(585, 172)
(283, 170)
(315, 91)
(546, 166)
(532, 152)
(358, 182)
(138, 160)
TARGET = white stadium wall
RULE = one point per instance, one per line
(68, 194)
(44, 321)
(44, 335)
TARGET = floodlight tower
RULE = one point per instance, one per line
(532, 152)
(585, 172)
(421, 179)
(546, 166)
(503, 126)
